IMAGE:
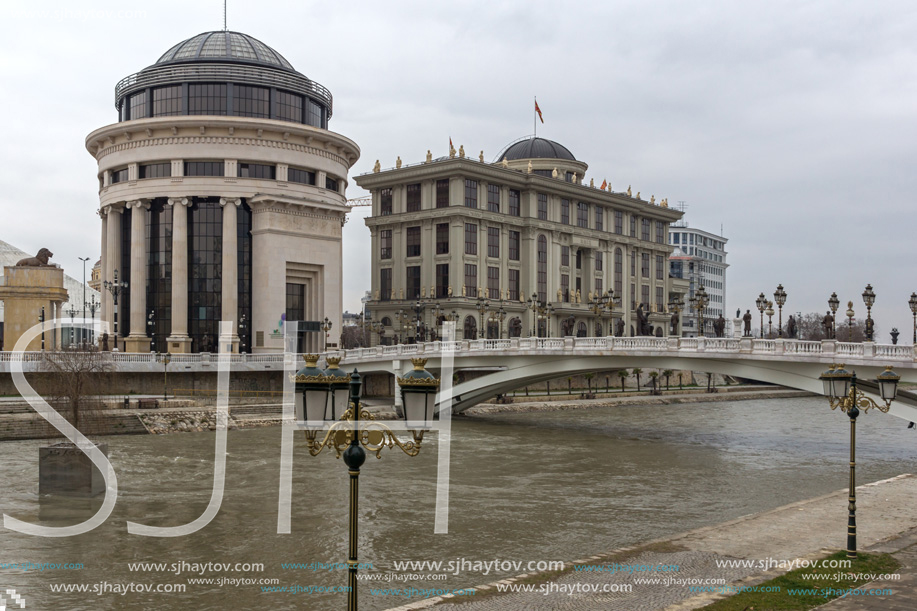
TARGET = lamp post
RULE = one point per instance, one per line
(699, 302)
(761, 302)
(151, 327)
(115, 287)
(869, 298)
(165, 359)
(913, 303)
(72, 313)
(770, 318)
(326, 326)
(840, 386)
(82, 329)
(533, 303)
(675, 305)
(41, 319)
(419, 308)
(496, 318)
(780, 299)
(600, 305)
(482, 309)
(850, 314)
(93, 306)
(402, 317)
(355, 429)
(833, 303)
(243, 325)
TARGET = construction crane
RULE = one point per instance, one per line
(360, 201)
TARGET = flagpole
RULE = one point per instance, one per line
(535, 118)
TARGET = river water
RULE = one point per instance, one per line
(524, 487)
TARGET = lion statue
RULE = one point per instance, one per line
(39, 260)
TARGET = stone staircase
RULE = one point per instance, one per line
(19, 421)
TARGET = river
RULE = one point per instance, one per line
(525, 487)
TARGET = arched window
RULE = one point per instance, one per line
(542, 268)
(515, 327)
(619, 273)
(386, 322)
(493, 330)
(471, 328)
(581, 330)
(598, 329)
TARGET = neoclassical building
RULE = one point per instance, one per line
(222, 197)
(459, 238)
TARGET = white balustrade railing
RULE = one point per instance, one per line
(802, 347)
(849, 349)
(764, 345)
(594, 343)
(721, 344)
(894, 352)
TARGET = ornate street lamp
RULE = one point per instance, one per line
(841, 390)
(850, 314)
(833, 303)
(770, 318)
(869, 298)
(482, 309)
(761, 302)
(356, 429)
(115, 287)
(780, 299)
(675, 305)
(699, 302)
(151, 327)
(913, 303)
(72, 313)
(326, 326)
(533, 303)
(165, 359)
(93, 306)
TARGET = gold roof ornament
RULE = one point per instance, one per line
(665, 202)
(451, 152)
(334, 362)
(529, 169)
(652, 199)
(628, 191)
(429, 156)
(638, 194)
(554, 173)
(481, 156)
(505, 163)
(377, 168)
(398, 162)
(592, 183)
(461, 151)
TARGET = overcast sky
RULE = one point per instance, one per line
(791, 125)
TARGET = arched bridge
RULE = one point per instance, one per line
(523, 361)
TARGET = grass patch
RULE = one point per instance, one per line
(792, 595)
(663, 547)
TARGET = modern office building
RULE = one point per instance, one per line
(458, 238)
(222, 197)
(700, 258)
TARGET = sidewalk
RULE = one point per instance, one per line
(806, 530)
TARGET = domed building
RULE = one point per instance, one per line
(222, 197)
(514, 248)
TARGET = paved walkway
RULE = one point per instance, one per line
(807, 530)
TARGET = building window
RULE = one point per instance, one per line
(207, 99)
(442, 280)
(565, 256)
(331, 184)
(645, 295)
(119, 176)
(289, 107)
(659, 267)
(513, 289)
(315, 114)
(493, 198)
(645, 264)
(205, 242)
(385, 284)
(159, 271)
(514, 245)
(257, 170)
(304, 177)
(471, 239)
(204, 168)
(599, 218)
(442, 238)
(542, 262)
(565, 211)
(413, 198)
(471, 193)
(633, 226)
(156, 170)
(385, 202)
(645, 230)
(619, 272)
(598, 260)
(471, 280)
(598, 286)
(514, 199)
(442, 193)
(579, 259)
(659, 297)
(412, 282)
(633, 263)
(493, 242)
(413, 242)
(493, 283)
(138, 105)
(660, 232)
(250, 101)
(619, 222)
(675, 237)
(542, 206)
(582, 214)
(167, 101)
(385, 243)
(296, 302)
(565, 287)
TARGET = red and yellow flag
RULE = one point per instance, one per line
(450, 143)
(538, 110)
(604, 184)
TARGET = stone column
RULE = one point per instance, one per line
(112, 262)
(179, 341)
(137, 340)
(230, 298)
(103, 214)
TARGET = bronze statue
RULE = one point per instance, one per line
(894, 335)
(719, 326)
(105, 347)
(39, 260)
(828, 324)
(642, 321)
(747, 320)
(791, 327)
(619, 327)
(675, 322)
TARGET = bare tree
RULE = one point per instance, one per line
(353, 336)
(77, 381)
(811, 327)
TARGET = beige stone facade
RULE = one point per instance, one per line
(451, 230)
(28, 293)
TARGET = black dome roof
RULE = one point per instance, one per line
(536, 148)
(224, 46)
